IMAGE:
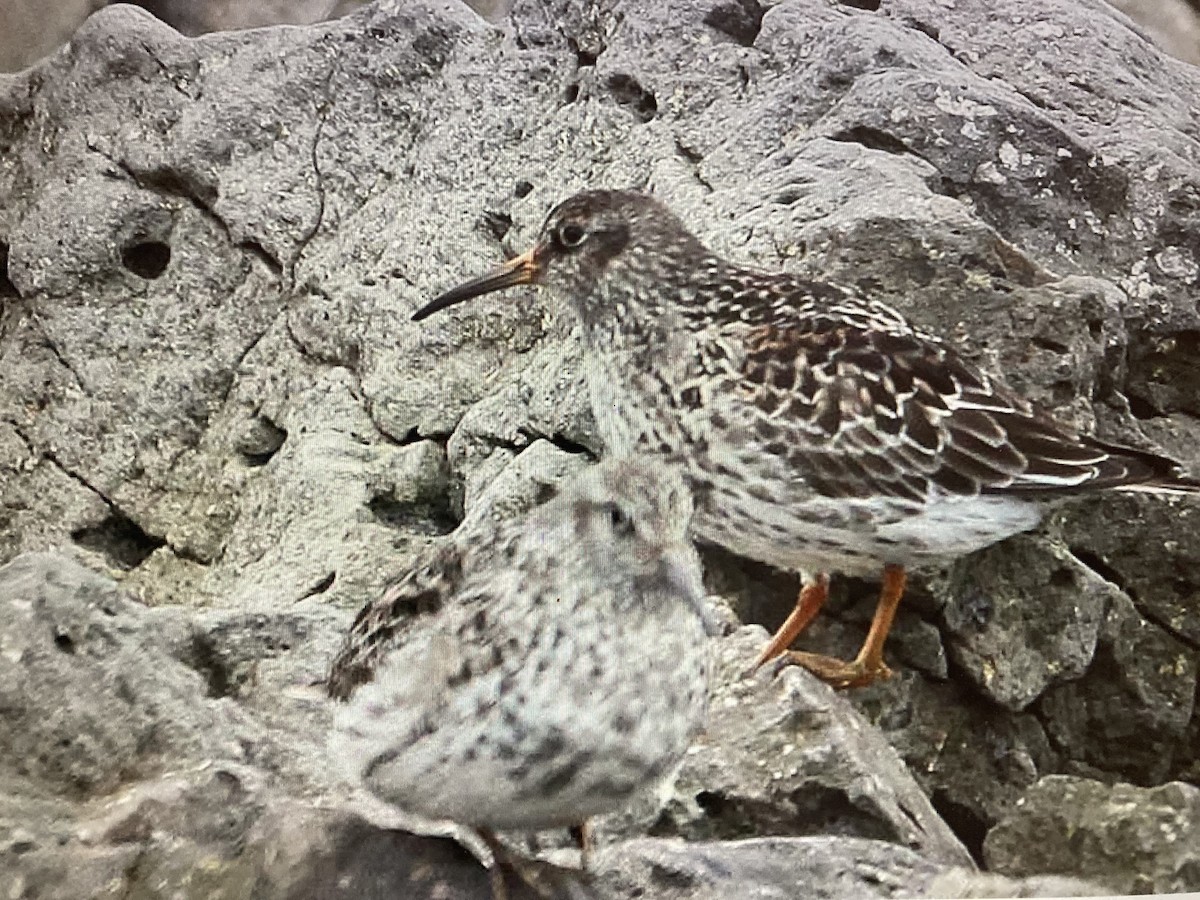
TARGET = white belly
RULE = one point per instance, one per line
(808, 538)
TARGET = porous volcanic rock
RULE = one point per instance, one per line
(211, 394)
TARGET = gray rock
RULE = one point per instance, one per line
(1173, 24)
(297, 851)
(29, 30)
(1023, 616)
(963, 884)
(120, 762)
(508, 484)
(200, 17)
(210, 388)
(972, 760)
(1130, 713)
(1109, 533)
(68, 632)
(789, 756)
(818, 867)
(1133, 840)
(544, 402)
(193, 745)
(765, 869)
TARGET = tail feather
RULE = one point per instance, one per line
(1181, 487)
(1143, 471)
(1098, 466)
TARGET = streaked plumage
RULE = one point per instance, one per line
(561, 665)
(818, 429)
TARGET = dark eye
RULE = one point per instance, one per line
(619, 519)
(571, 235)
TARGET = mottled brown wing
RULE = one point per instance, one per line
(380, 624)
(885, 411)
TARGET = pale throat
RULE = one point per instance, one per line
(622, 323)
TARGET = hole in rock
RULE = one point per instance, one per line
(544, 493)
(564, 443)
(629, 93)
(1097, 564)
(740, 20)
(868, 5)
(1164, 367)
(1053, 346)
(825, 809)
(498, 223)
(1141, 408)
(967, 826)
(270, 438)
(1062, 578)
(673, 879)
(871, 138)
(930, 31)
(146, 259)
(522, 189)
(180, 183)
(119, 538)
(320, 587)
(8, 290)
(583, 57)
(412, 436)
(206, 660)
(64, 642)
(712, 803)
(425, 514)
(259, 251)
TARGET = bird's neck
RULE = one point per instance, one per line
(618, 323)
(644, 314)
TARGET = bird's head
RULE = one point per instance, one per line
(590, 244)
(625, 522)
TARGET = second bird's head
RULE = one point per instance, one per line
(597, 247)
(623, 525)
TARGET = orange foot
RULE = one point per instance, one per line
(835, 672)
(868, 667)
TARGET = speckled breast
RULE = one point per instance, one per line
(758, 506)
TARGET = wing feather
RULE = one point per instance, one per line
(381, 624)
(875, 408)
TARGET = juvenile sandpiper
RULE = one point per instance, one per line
(562, 666)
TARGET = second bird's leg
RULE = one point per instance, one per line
(585, 837)
(868, 666)
(496, 872)
(544, 879)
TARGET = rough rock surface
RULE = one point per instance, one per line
(210, 391)
(1173, 24)
(202, 16)
(30, 29)
(1134, 840)
(786, 756)
(148, 750)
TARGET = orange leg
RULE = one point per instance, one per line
(813, 595)
(868, 666)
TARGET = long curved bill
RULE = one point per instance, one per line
(523, 269)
